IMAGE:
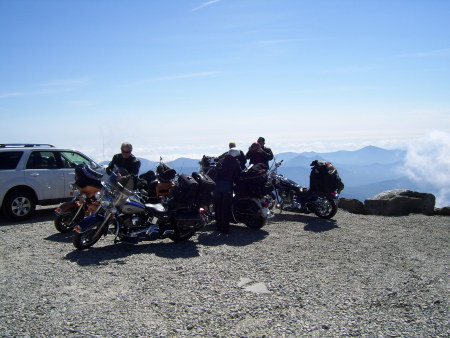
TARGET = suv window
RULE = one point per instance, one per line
(42, 160)
(71, 159)
(9, 159)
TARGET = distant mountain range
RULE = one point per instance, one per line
(365, 172)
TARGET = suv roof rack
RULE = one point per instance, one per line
(24, 145)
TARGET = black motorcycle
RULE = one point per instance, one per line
(133, 220)
(252, 198)
(290, 196)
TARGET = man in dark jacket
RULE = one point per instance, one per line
(227, 174)
(241, 157)
(125, 160)
(259, 153)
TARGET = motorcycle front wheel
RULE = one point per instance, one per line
(325, 207)
(65, 222)
(88, 238)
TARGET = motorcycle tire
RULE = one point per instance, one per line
(181, 236)
(325, 208)
(247, 212)
(88, 238)
(65, 221)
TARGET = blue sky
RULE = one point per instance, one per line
(185, 77)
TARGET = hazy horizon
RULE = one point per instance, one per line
(185, 77)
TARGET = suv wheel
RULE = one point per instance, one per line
(19, 205)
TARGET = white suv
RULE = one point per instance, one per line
(32, 174)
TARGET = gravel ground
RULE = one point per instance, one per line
(355, 275)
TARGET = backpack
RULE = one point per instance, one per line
(325, 177)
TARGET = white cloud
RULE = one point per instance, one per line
(80, 103)
(280, 41)
(174, 77)
(205, 4)
(51, 87)
(351, 69)
(66, 83)
(426, 54)
(6, 95)
(428, 161)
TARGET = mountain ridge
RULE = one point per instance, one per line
(365, 172)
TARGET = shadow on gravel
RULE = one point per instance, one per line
(41, 215)
(239, 235)
(61, 237)
(115, 252)
(313, 223)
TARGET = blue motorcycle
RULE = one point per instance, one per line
(125, 213)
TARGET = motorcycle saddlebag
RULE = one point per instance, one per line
(205, 188)
(252, 186)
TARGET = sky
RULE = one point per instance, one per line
(182, 78)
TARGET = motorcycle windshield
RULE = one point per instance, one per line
(121, 181)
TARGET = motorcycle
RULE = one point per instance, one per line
(156, 186)
(252, 200)
(292, 197)
(133, 220)
(84, 202)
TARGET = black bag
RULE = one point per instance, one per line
(165, 173)
(149, 176)
(252, 181)
(205, 188)
(325, 177)
(186, 190)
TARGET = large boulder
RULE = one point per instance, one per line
(400, 202)
(352, 205)
(445, 211)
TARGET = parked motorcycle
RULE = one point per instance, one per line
(84, 203)
(252, 200)
(290, 196)
(133, 220)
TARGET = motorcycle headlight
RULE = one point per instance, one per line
(98, 195)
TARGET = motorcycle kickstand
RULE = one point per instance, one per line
(117, 235)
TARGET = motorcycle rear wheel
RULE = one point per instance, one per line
(325, 207)
(65, 221)
(181, 236)
(247, 211)
(88, 238)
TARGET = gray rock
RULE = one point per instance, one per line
(352, 205)
(445, 211)
(400, 202)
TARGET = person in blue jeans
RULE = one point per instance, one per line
(227, 174)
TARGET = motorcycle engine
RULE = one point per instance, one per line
(131, 221)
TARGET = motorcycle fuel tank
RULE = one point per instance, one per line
(132, 207)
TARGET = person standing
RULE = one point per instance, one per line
(125, 159)
(241, 157)
(227, 174)
(259, 153)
